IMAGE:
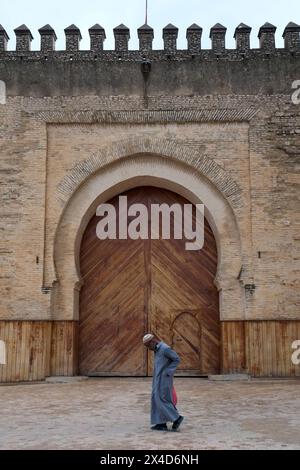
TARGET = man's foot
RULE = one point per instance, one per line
(177, 423)
(160, 427)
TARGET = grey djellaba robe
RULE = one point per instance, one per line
(165, 363)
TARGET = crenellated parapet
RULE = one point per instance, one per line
(73, 38)
(217, 36)
(122, 36)
(170, 35)
(242, 37)
(146, 36)
(48, 38)
(97, 37)
(291, 37)
(4, 38)
(193, 36)
(23, 38)
(266, 35)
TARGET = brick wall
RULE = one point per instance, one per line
(233, 110)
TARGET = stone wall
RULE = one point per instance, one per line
(233, 112)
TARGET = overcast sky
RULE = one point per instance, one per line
(110, 13)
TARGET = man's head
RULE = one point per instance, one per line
(150, 341)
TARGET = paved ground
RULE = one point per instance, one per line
(114, 414)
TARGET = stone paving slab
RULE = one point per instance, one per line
(232, 377)
(66, 380)
(113, 413)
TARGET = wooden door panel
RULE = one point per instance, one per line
(183, 281)
(186, 340)
(135, 286)
(211, 346)
(112, 312)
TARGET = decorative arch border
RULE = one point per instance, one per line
(171, 149)
(94, 185)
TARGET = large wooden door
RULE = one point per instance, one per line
(135, 286)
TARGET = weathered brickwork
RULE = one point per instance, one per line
(122, 36)
(193, 35)
(73, 38)
(3, 39)
(23, 38)
(146, 35)
(242, 37)
(97, 37)
(267, 146)
(291, 37)
(170, 35)
(266, 37)
(225, 117)
(217, 35)
(48, 38)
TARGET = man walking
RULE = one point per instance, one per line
(166, 361)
